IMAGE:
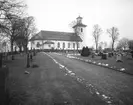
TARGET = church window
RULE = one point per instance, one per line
(63, 45)
(38, 44)
(58, 45)
(78, 45)
(74, 45)
(49, 45)
(68, 45)
(81, 29)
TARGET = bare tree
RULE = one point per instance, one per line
(1, 41)
(96, 35)
(30, 29)
(27, 30)
(19, 34)
(123, 43)
(103, 44)
(113, 33)
(10, 29)
(12, 7)
(130, 44)
(73, 23)
(10, 14)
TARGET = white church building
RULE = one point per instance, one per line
(60, 40)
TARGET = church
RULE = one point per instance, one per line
(60, 40)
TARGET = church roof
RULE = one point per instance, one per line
(81, 24)
(48, 42)
(79, 17)
(54, 35)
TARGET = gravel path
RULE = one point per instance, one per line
(46, 85)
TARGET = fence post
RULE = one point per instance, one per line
(28, 61)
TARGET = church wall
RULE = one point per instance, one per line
(66, 45)
(82, 34)
(55, 45)
(79, 28)
(34, 43)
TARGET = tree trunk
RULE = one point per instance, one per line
(20, 49)
(12, 55)
(26, 49)
(96, 47)
(112, 46)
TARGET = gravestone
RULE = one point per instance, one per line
(110, 54)
(118, 58)
(104, 56)
(92, 55)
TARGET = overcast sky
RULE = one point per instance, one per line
(56, 15)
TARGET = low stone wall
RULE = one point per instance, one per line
(57, 50)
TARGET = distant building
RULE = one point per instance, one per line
(60, 40)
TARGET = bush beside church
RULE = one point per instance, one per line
(85, 51)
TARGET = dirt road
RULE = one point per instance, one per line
(47, 85)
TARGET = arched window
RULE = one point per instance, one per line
(38, 44)
(78, 45)
(68, 45)
(81, 29)
(74, 45)
(58, 45)
(63, 45)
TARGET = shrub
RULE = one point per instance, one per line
(85, 51)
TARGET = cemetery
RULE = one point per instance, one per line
(120, 61)
(45, 67)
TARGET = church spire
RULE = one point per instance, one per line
(79, 20)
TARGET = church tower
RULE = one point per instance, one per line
(79, 29)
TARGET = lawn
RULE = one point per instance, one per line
(46, 85)
(127, 62)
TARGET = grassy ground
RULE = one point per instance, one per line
(109, 82)
(127, 62)
(45, 85)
